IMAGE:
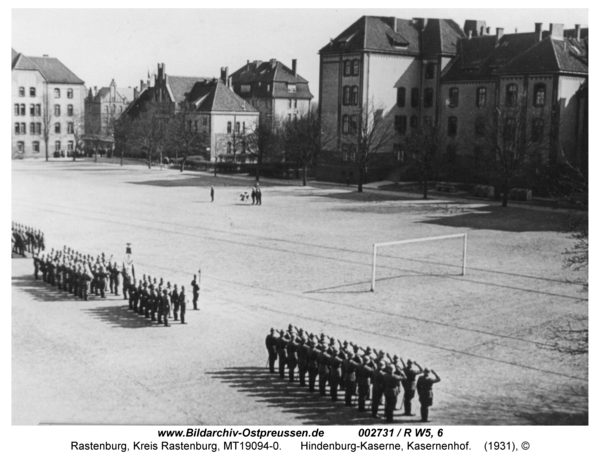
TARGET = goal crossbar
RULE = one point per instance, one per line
(418, 240)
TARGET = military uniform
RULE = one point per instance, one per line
(271, 344)
(195, 292)
(292, 359)
(182, 304)
(335, 364)
(425, 391)
(281, 353)
(391, 392)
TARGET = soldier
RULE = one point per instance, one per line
(175, 301)
(152, 302)
(378, 387)
(349, 375)
(313, 365)
(132, 294)
(126, 283)
(102, 275)
(364, 372)
(303, 351)
(281, 353)
(182, 304)
(424, 388)
(271, 344)
(410, 384)
(36, 266)
(85, 280)
(292, 359)
(195, 291)
(166, 307)
(324, 359)
(335, 363)
(391, 390)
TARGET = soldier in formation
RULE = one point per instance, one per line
(26, 239)
(360, 373)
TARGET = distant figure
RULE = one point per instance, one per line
(258, 195)
(253, 195)
(244, 196)
(212, 194)
(424, 389)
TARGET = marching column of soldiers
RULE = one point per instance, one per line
(26, 239)
(82, 275)
(361, 374)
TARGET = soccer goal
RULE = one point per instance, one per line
(419, 240)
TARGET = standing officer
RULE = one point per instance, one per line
(324, 359)
(195, 291)
(174, 301)
(292, 359)
(391, 391)
(212, 193)
(182, 304)
(335, 364)
(281, 353)
(424, 388)
(258, 195)
(364, 371)
(303, 350)
(410, 384)
(349, 373)
(271, 343)
(313, 364)
(378, 387)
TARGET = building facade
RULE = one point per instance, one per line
(102, 108)
(277, 91)
(390, 65)
(48, 107)
(212, 109)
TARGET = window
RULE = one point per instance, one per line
(196, 126)
(36, 147)
(289, 103)
(291, 88)
(428, 97)
(480, 126)
(70, 110)
(57, 92)
(189, 125)
(21, 91)
(295, 103)
(57, 128)
(32, 92)
(481, 97)
(353, 124)
(539, 95)
(237, 127)
(243, 145)
(204, 121)
(414, 121)
(57, 146)
(57, 110)
(17, 128)
(537, 130)
(32, 110)
(401, 97)
(295, 116)
(106, 109)
(289, 117)
(347, 68)
(31, 128)
(452, 126)
(228, 127)
(355, 95)
(511, 95)
(344, 152)
(453, 97)
(399, 152)
(114, 108)
(23, 110)
(229, 147)
(70, 128)
(414, 97)
(400, 123)
(244, 127)
(345, 124)
(346, 91)
(17, 112)
(510, 129)
(429, 71)
(38, 110)
(38, 128)
(355, 67)
(268, 88)
(352, 152)
(21, 147)
(245, 88)
(23, 128)
(70, 146)
(70, 93)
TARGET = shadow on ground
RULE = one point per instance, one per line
(42, 291)
(309, 408)
(122, 316)
(206, 181)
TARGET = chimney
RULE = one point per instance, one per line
(294, 67)
(248, 65)
(577, 32)
(470, 34)
(421, 23)
(257, 63)
(224, 74)
(482, 31)
(487, 30)
(273, 63)
(557, 31)
(95, 90)
(538, 32)
(45, 55)
(499, 34)
(476, 27)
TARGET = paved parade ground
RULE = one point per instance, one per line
(303, 257)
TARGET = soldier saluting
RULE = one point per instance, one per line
(410, 384)
(271, 344)
(424, 388)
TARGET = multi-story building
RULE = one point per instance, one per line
(539, 76)
(102, 107)
(213, 110)
(48, 106)
(277, 91)
(391, 65)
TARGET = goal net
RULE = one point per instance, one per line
(376, 246)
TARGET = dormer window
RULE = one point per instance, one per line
(245, 88)
(291, 88)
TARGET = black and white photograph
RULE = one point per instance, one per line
(366, 217)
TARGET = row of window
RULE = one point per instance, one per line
(36, 128)
(351, 67)
(414, 97)
(35, 110)
(35, 146)
(350, 94)
(195, 124)
(230, 126)
(113, 108)
(350, 124)
(230, 147)
(33, 92)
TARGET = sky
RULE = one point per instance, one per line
(99, 45)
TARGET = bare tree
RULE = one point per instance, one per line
(374, 137)
(148, 130)
(46, 117)
(427, 150)
(183, 136)
(78, 132)
(262, 140)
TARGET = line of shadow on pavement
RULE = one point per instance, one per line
(310, 408)
(122, 316)
(42, 291)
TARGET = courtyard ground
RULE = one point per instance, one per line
(303, 257)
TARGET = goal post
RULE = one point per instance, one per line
(419, 240)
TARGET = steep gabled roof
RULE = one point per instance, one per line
(181, 86)
(394, 35)
(22, 62)
(55, 71)
(214, 96)
(265, 72)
